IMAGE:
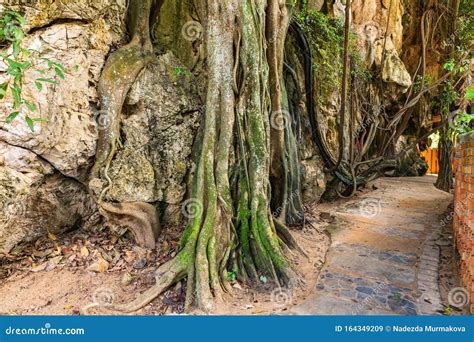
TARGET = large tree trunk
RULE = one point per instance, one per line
(233, 225)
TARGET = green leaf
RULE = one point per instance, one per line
(16, 49)
(31, 106)
(449, 66)
(17, 16)
(231, 276)
(16, 92)
(59, 72)
(30, 123)
(18, 34)
(60, 66)
(11, 117)
(40, 119)
(39, 85)
(3, 90)
(470, 93)
(47, 80)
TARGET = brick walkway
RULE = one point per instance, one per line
(383, 257)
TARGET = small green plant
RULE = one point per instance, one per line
(231, 276)
(448, 311)
(420, 81)
(181, 71)
(461, 123)
(469, 94)
(447, 96)
(326, 36)
(18, 61)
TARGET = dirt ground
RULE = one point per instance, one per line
(60, 275)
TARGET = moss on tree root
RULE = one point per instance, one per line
(235, 227)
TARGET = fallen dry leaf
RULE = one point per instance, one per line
(100, 266)
(42, 254)
(84, 252)
(260, 311)
(127, 279)
(237, 286)
(53, 263)
(39, 268)
(129, 256)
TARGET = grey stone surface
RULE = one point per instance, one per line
(393, 273)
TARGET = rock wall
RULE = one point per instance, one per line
(161, 118)
(42, 173)
(378, 24)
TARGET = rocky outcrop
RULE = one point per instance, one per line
(67, 137)
(411, 164)
(378, 24)
(160, 122)
(41, 170)
(36, 199)
(43, 13)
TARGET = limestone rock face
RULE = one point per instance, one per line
(160, 122)
(67, 137)
(394, 71)
(314, 179)
(383, 17)
(411, 164)
(40, 170)
(379, 26)
(42, 13)
(315, 5)
(35, 199)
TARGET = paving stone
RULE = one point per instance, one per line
(363, 279)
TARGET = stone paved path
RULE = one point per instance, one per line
(383, 258)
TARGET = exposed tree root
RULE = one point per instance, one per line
(277, 19)
(120, 71)
(167, 275)
(140, 217)
(261, 252)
